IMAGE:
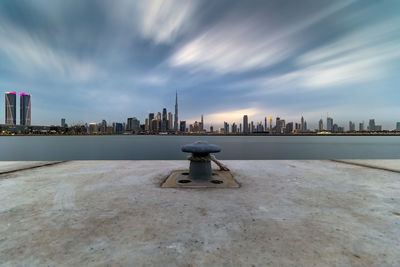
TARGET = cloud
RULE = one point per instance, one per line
(249, 43)
(31, 55)
(158, 20)
(363, 55)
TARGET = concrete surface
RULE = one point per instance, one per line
(298, 213)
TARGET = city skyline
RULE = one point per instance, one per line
(121, 60)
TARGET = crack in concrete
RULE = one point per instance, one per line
(32, 167)
(365, 165)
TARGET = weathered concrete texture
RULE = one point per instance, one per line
(300, 213)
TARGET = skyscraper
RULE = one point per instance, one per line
(164, 123)
(270, 124)
(245, 124)
(320, 125)
(302, 127)
(397, 126)
(329, 124)
(25, 109)
(352, 126)
(151, 117)
(371, 126)
(176, 112)
(11, 108)
(202, 123)
(361, 126)
(63, 122)
(170, 121)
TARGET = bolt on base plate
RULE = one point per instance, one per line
(181, 179)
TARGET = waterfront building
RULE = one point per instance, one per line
(146, 124)
(170, 121)
(93, 127)
(135, 124)
(305, 126)
(155, 125)
(320, 125)
(289, 127)
(191, 128)
(329, 124)
(117, 127)
(226, 127)
(151, 117)
(265, 123)
(240, 127)
(196, 126)
(302, 128)
(270, 124)
(25, 109)
(371, 125)
(11, 108)
(182, 126)
(234, 128)
(202, 123)
(361, 126)
(211, 129)
(352, 126)
(245, 124)
(398, 126)
(176, 112)
(335, 128)
(103, 127)
(252, 130)
(63, 123)
(378, 128)
(164, 122)
(129, 124)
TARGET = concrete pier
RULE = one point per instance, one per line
(287, 213)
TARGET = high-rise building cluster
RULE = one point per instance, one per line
(11, 109)
(165, 122)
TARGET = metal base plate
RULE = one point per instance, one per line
(180, 179)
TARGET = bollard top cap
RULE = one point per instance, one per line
(202, 147)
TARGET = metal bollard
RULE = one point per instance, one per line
(200, 160)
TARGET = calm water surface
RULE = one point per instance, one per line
(133, 147)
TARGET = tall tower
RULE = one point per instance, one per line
(270, 124)
(25, 109)
(202, 123)
(245, 124)
(176, 112)
(11, 108)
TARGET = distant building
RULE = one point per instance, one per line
(234, 128)
(176, 112)
(63, 123)
(289, 127)
(245, 124)
(270, 124)
(352, 126)
(302, 128)
(196, 126)
(211, 129)
(117, 127)
(151, 117)
(320, 125)
(398, 126)
(226, 127)
(329, 124)
(378, 128)
(155, 125)
(146, 125)
(202, 123)
(335, 128)
(103, 127)
(93, 127)
(25, 109)
(371, 125)
(182, 126)
(11, 108)
(170, 121)
(164, 122)
(361, 126)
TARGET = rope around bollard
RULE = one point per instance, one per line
(209, 157)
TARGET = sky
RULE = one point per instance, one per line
(97, 59)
